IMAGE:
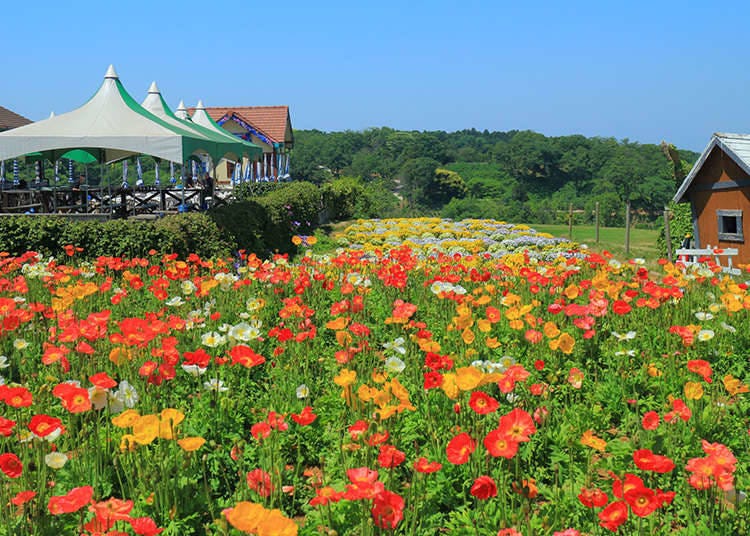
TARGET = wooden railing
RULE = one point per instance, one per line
(719, 256)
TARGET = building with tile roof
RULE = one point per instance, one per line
(9, 119)
(267, 126)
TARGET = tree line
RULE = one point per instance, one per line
(516, 175)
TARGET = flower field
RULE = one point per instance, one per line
(429, 377)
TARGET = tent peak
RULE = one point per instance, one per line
(51, 114)
(200, 106)
(153, 88)
(111, 73)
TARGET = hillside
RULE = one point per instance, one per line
(515, 175)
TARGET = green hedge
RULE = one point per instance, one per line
(181, 233)
(262, 224)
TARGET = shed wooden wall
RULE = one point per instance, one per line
(706, 199)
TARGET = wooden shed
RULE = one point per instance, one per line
(718, 190)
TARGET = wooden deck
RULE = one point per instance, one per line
(105, 203)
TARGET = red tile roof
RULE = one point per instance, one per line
(269, 120)
(10, 119)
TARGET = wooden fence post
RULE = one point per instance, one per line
(667, 234)
(596, 221)
(627, 227)
(570, 221)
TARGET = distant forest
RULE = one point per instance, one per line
(518, 176)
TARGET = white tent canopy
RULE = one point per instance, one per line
(219, 146)
(201, 117)
(111, 126)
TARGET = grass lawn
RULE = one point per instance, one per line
(612, 239)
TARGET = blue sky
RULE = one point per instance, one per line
(646, 71)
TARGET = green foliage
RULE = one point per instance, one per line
(680, 225)
(243, 223)
(416, 175)
(522, 171)
(446, 185)
(181, 233)
(341, 198)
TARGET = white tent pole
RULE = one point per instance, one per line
(16, 180)
(157, 182)
(2, 173)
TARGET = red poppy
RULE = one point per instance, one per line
(245, 356)
(482, 403)
(364, 484)
(260, 430)
(145, 526)
(357, 429)
(111, 510)
(642, 500)
(648, 461)
(73, 501)
(326, 495)
(22, 497)
(260, 481)
(75, 399)
(102, 380)
(11, 465)
(390, 457)
(361, 475)
(460, 448)
(277, 422)
(650, 420)
(621, 307)
(432, 380)
(499, 443)
(378, 437)
(16, 397)
(702, 368)
(200, 357)
(422, 465)
(517, 424)
(43, 425)
(614, 515)
(484, 487)
(593, 498)
(387, 509)
(679, 410)
(6, 426)
(305, 417)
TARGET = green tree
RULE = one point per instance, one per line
(445, 185)
(415, 176)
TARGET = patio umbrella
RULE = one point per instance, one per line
(157, 182)
(125, 174)
(71, 180)
(139, 172)
(80, 155)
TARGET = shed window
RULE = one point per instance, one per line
(730, 225)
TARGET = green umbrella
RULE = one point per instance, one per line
(80, 156)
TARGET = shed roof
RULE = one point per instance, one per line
(271, 121)
(9, 119)
(736, 146)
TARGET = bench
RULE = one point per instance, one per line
(696, 256)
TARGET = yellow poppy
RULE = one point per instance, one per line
(189, 444)
(693, 390)
(126, 418)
